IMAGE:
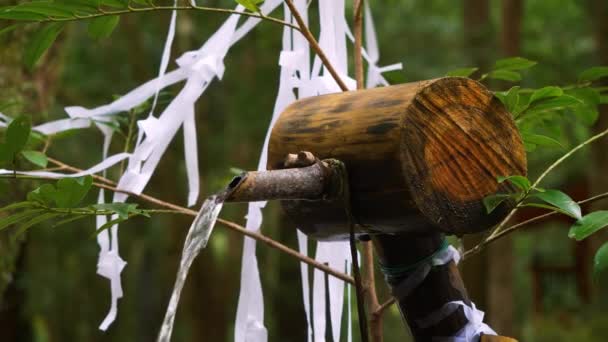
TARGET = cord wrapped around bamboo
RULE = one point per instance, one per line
(420, 156)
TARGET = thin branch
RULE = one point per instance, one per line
(303, 28)
(74, 169)
(107, 184)
(131, 10)
(380, 310)
(514, 227)
(498, 229)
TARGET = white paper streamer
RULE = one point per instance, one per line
(108, 162)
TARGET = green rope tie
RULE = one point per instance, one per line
(394, 274)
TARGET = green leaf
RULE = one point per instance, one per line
(493, 201)
(505, 75)
(514, 63)
(540, 140)
(555, 103)
(512, 99)
(462, 72)
(561, 201)
(102, 27)
(14, 13)
(35, 157)
(251, 5)
(546, 92)
(70, 191)
(600, 261)
(8, 29)
(17, 133)
(44, 194)
(593, 74)
(68, 220)
(109, 224)
(17, 205)
(34, 221)
(588, 225)
(18, 217)
(604, 99)
(40, 42)
(519, 181)
(122, 209)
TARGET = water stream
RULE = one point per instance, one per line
(197, 238)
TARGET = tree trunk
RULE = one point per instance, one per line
(500, 269)
(476, 22)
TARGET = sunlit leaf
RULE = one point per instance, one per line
(513, 63)
(102, 27)
(505, 75)
(588, 225)
(520, 181)
(561, 201)
(540, 140)
(546, 92)
(251, 5)
(593, 74)
(555, 103)
(35, 157)
(40, 42)
(462, 72)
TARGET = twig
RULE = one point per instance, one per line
(380, 310)
(74, 169)
(131, 10)
(498, 229)
(369, 281)
(514, 227)
(107, 184)
(315, 45)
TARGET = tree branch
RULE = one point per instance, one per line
(315, 45)
(131, 10)
(498, 229)
(104, 183)
(514, 227)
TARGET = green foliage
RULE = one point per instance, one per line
(593, 74)
(35, 157)
(17, 134)
(102, 27)
(509, 69)
(600, 261)
(523, 183)
(123, 210)
(252, 5)
(588, 225)
(40, 42)
(557, 201)
(493, 201)
(67, 193)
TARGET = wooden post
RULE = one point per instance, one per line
(420, 155)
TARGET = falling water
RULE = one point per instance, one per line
(197, 238)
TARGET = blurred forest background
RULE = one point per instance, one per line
(536, 285)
